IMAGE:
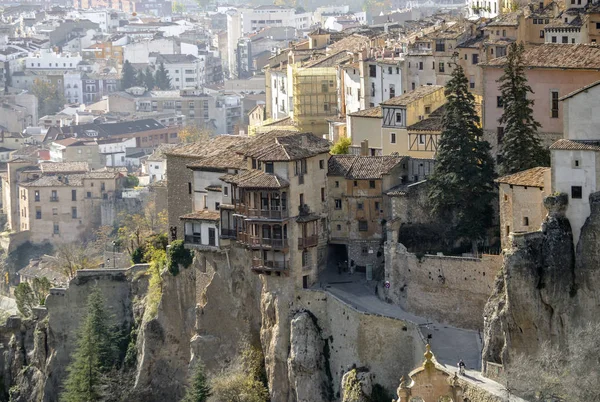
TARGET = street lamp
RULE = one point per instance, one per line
(114, 243)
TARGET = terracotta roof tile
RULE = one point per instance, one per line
(432, 123)
(362, 167)
(550, 55)
(412, 96)
(280, 145)
(576, 145)
(374, 112)
(203, 216)
(64, 167)
(203, 149)
(255, 179)
(529, 178)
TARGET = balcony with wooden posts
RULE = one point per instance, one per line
(268, 205)
(264, 236)
(260, 265)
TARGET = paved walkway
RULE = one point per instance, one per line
(449, 344)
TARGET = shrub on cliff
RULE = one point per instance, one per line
(178, 255)
(96, 353)
(199, 390)
(25, 299)
(158, 261)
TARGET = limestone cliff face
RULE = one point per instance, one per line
(534, 295)
(306, 363)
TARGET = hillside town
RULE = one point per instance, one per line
(299, 202)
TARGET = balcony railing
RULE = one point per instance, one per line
(310, 241)
(228, 233)
(272, 213)
(53, 199)
(267, 242)
(258, 263)
(193, 239)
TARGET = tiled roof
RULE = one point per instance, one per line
(203, 149)
(68, 142)
(213, 188)
(412, 96)
(159, 153)
(64, 167)
(286, 121)
(362, 167)
(504, 20)
(529, 178)
(403, 189)
(576, 145)
(255, 179)
(374, 112)
(432, 123)
(203, 216)
(551, 55)
(282, 145)
(47, 181)
(229, 158)
(328, 61)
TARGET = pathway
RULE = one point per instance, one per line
(449, 344)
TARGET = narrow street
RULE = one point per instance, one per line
(448, 344)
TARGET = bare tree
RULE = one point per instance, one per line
(72, 257)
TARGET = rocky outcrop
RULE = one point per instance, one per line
(533, 297)
(357, 386)
(306, 363)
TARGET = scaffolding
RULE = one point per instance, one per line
(315, 95)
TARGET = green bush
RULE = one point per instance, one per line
(178, 255)
(137, 257)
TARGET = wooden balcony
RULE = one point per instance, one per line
(260, 242)
(269, 265)
(192, 239)
(228, 233)
(272, 213)
(310, 241)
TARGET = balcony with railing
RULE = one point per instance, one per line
(193, 239)
(309, 241)
(261, 265)
(228, 233)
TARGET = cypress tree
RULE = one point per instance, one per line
(199, 390)
(163, 81)
(521, 147)
(95, 355)
(128, 79)
(140, 78)
(149, 79)
(461, 186)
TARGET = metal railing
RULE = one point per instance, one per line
(258, 263)
(310, 241)
(193, 239)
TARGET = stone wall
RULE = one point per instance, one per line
(385, 346)
(452, 290)
(179, 198)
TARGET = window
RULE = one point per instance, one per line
(413, 86)
(355, 183)
(554, 39)
(322, 194)
(338, 227)
(205, 201)
(525, 221)
(189, 188)
(475, 58)
(576, 163)
(597, 25)
(89, 194)
(363, 226)
(217, 204)
(499, 101)
(504, 32)
(226, 191)
(74, 212)
(38, 212)
(389, 70)
(338, 203)
(433, 66)
(322, 164)
(372, 71)
(500, 134)
(54, 196)
(301, 199)
(554, 110)
(427, 109)
(324, 86)
(398, 117)
(565, 39)
(392, 91)
(54, 211)
(542, 33)
(377, 206)
(422, 139)
(440, 45)
(37, 195)
(337, 184)
(507, 230)
(364, 250)
(392, 138)
(269, 167)
(576, 192)
(56, 228)
(472, 81)
(360, 206)
(420, 65)
(441, 67)
(371, 183)
(73, 195)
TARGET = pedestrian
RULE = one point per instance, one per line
(461, 367)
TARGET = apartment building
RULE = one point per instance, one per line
(263, 16)
(268, 195)
(185, 71)
(76, 150)
(553, 71)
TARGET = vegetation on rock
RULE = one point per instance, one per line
(199, 389)
(178, 255)
(521, 147)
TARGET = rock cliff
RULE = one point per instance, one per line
(545, 289)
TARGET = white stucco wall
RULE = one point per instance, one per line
(581, 115)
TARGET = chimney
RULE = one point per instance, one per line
(304, 142)
(364, 148)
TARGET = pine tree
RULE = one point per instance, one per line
(521, 147)
(128, 79)
(199, 390)
(461, 186)
(140, 78)
(163, 81)
(96, 353)
(149, 79)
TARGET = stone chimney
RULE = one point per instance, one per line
(364, 148)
